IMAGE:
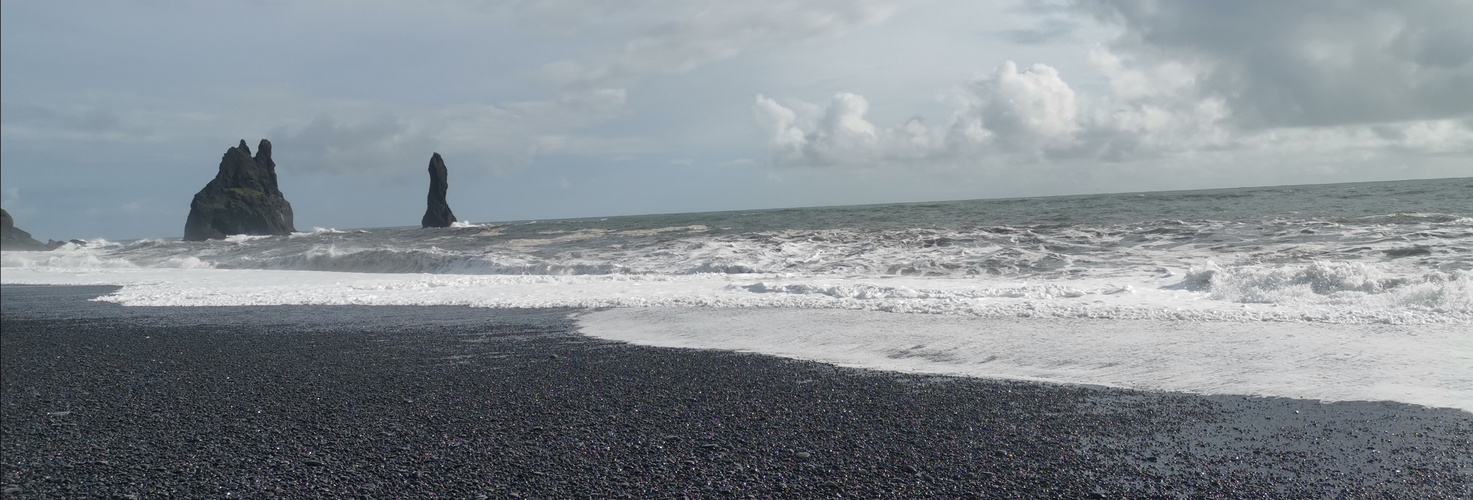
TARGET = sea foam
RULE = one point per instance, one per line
(1427, 365)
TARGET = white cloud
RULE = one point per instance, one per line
(1029, 110)
(838, 134)
(1022, 117)
(1151, 110)
(1024, 114)
(1185, 79)
(785, 139)
(842, 134)
(1439, 136)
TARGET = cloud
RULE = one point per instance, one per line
(571, 110)
(379, 145)
(77, 121)
(1184, 79)
(1151, 110)
(840, 135)
(784, 138)
(1047, 31)
(377, 125)
(1277, 64)
(677, 36)
(1438, 137)
(1029, 116)
(373, 138)
(1023, 114)
(1029, 110)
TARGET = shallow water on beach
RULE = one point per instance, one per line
(1391, 258)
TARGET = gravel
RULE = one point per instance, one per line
(104, 401)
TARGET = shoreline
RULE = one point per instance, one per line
(374, 401)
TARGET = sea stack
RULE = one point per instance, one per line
(243, 198)
(437, 211)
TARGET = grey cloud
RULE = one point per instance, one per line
(1047, 31)
(40, 120)
(380, 145)
(571, 110)
(1444, 46)
(675, 37)
(1326, 63)
(1042, 7)
(498, 138)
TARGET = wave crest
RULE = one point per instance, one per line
(1331, 282)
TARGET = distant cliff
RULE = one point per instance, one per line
(437, 210)
(13, 238)
(242, 199)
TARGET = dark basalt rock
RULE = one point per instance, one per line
(437, 211)
(14, 238)
(242, 199)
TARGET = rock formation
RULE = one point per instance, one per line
(242, 199)
(13, 238)
(437, 211)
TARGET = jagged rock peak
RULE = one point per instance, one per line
(242, 199)
(263, 154)
(437, 210)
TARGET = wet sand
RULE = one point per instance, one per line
(100, 400)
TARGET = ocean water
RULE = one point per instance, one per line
(1348, 291)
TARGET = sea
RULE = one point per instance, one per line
(1334, 292)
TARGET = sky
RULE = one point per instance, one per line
(116, 113)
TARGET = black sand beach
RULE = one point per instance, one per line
(416, 402)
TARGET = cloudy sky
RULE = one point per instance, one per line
(116, 113)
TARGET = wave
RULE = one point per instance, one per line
(1406, 218)
(429, 260)
(867, 291)
(1270, 258)
(1327, 282)
(85, 257)
(1025, 252)
(1335, 293)
(316, 231)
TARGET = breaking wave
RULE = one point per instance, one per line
(1324, 282)
(1237, 254)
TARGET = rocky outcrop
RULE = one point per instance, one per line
(242, 199)
(437, 211)
(13, 238)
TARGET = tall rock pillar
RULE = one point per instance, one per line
(437, 210)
